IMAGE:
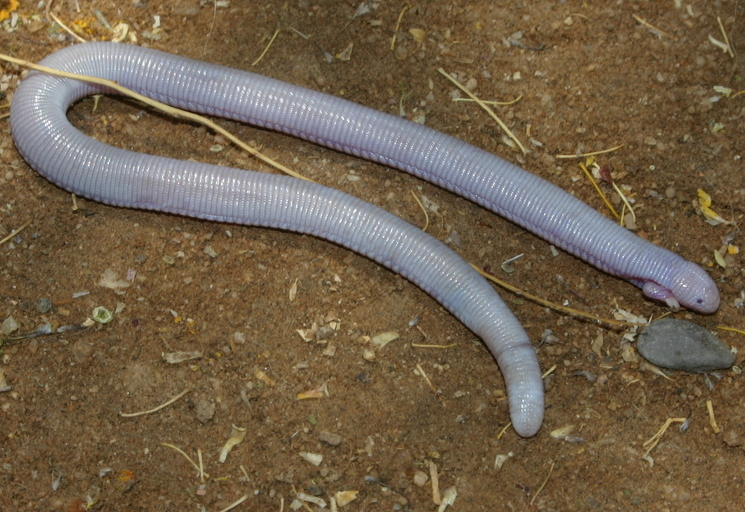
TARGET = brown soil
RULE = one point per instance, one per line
(601, 78)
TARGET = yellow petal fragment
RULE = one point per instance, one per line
(719, 259)
(712, 217)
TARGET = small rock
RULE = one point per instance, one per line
(732, 439)
(682, 345)
(315, 490)
(205, 410)
(420, 478)
(43, 305)
(329, 438)
(9, 325)
(286, 478)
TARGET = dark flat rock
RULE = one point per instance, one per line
(683, 345)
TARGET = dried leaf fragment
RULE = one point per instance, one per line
(263, 377)
(319, 392)
(237, 434)
(719, 259)
(109, 280)
(313, 458)
(719, 44)
(448, 499)
(384, 338)
(562, 432)
(724, 91)
(181, 356)
(345, 497)
(347, 53)
(418, 34)
(501, 459)
(311, 499)
(308, 334)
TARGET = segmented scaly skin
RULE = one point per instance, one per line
(86, 167)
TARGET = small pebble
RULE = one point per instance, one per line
(683, 345)
(329, 438)
(420, 478)
(205, 410)
(43, 305)
(315, 490)
(9, 325)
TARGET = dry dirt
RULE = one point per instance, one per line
(591, 77)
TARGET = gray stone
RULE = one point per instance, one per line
(682, 345)
(205, 410)
(329, 438)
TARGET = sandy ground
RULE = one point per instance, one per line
(590, 77)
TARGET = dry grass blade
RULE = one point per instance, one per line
(549, 304)
(436, 498)
(14, 233)
(730, 329)
(398, 25)
(66, 28)
(266, 49)
(597, 189)
(495, 103)
(424, 345)
(191, 461)
(235, 503)
(545, 481)
(655, 439)
(548, 372)
(712, 419)
(655, 30)
(426, 215)
(485, 107)
(625, 203)
(726, 39)
(155, 409)
(424, 376)
(504, 430)
(591, 153)
(160, 106)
